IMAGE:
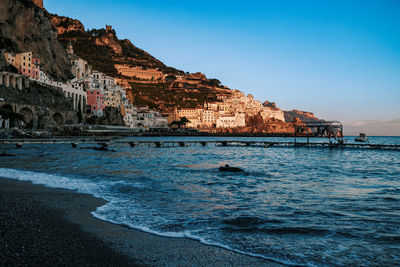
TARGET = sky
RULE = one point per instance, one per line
(338, 59)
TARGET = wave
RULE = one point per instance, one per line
(189, 235)
(51, 180)
(84, 186)
(247, 221)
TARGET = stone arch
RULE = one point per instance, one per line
(8, 107)
(27, 117)
(58, 118)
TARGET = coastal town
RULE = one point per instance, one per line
(182, 134)
(92, 79)
(92, 91)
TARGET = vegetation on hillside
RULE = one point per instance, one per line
(103, 57)
(161, 96)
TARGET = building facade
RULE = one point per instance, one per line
(95, 101)
(144, 74)
(26, 64)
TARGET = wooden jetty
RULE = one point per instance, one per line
(19, 142)
(104, 142)
(264, 144)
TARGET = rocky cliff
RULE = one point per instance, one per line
(25, 27)
(291, 116)
(65, 24)
(112, 116)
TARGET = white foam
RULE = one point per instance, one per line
(95, 189)
(51, 180)
(188, 235)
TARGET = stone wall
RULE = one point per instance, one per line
(42, 107)
(36, 117)
(37, 95)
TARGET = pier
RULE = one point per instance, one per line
(113, 142)
(264, 144)
(332, 131)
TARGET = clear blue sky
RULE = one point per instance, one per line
(338, 59)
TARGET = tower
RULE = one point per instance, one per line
(70, 48)
(39, 3)
(108, 28)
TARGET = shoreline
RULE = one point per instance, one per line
(127, 246)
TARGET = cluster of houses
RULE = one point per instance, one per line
(230, 112)
(92, 91)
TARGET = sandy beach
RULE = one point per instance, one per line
(44, 226)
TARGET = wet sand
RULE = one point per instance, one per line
(44, 226)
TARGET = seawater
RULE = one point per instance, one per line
(303, 206)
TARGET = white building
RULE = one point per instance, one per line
(131, 117)
(43, 77)
(231, 121)
(270, 113)
(105, 82)
(150, 119)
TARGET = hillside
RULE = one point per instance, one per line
(25, 27)
(164, 96)
(290, 116)
(102, 48)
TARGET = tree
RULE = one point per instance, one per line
(170, 78)
(183, 121)
(214, 82)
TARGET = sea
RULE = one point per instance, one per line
(297, 206)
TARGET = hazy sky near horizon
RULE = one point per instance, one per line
(338, 59)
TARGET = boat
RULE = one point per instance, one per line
(361, 138)
(228, 168)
